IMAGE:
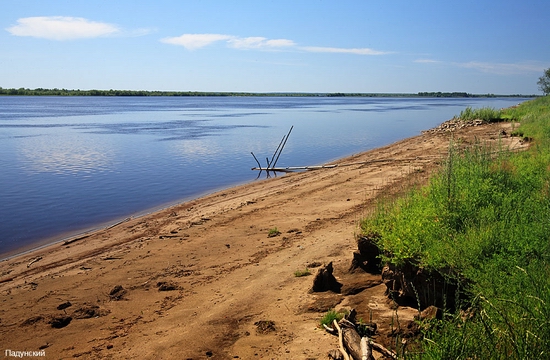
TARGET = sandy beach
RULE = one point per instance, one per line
(201, 280)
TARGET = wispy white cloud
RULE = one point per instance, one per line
(197, 41)
(427, 61)
(62, 28)
(503, 68)
(357, 51)
(137, 32)
(259, 43)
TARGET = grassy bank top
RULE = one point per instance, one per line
(483, 223)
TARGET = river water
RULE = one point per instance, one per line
(69, 164)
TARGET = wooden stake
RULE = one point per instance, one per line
(275, 163)
(275, 153)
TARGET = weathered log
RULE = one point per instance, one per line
(352, 341)
(78, 238)
(341, 341)
(366, 350)
(33, 261)
(118, 223)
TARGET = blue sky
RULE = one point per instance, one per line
(479, 46)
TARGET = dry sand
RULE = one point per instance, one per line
(195, 281)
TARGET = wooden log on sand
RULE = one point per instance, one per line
(355, 347)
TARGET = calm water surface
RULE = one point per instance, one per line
(68, 164)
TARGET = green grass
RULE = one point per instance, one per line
(533, 117)
(486, 114)
(483, 220)
(330, 316)
(300, 273)
(273, 232)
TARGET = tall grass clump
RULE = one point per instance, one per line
(484, 221)
(486, 114)
(534, 117)
(330, 316)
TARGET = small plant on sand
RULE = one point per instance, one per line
(273, 232)
(330, 316)
(300, 273)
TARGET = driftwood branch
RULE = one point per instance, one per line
(118, 223)
(366, 350)
(33, 261)
(271, 163)
(359, 347)
(351, 345)
(381, 349)
(70, 241)
(341, 341)
(282, 147)
(329, 329)
(353, 342)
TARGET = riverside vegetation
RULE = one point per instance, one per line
(483, 222)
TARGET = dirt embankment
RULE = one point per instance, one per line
(204, 280)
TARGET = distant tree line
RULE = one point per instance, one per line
(66, 92)
(451, 94)
(423, 94)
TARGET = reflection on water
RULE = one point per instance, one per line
(70, 163)
(64, 155)
(196, 149)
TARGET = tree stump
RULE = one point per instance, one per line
(325, 280)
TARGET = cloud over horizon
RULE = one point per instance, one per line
(259, 43)
(427, 61)
(357, 51)
(62, 28)
(197, 41)
(504, 68)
